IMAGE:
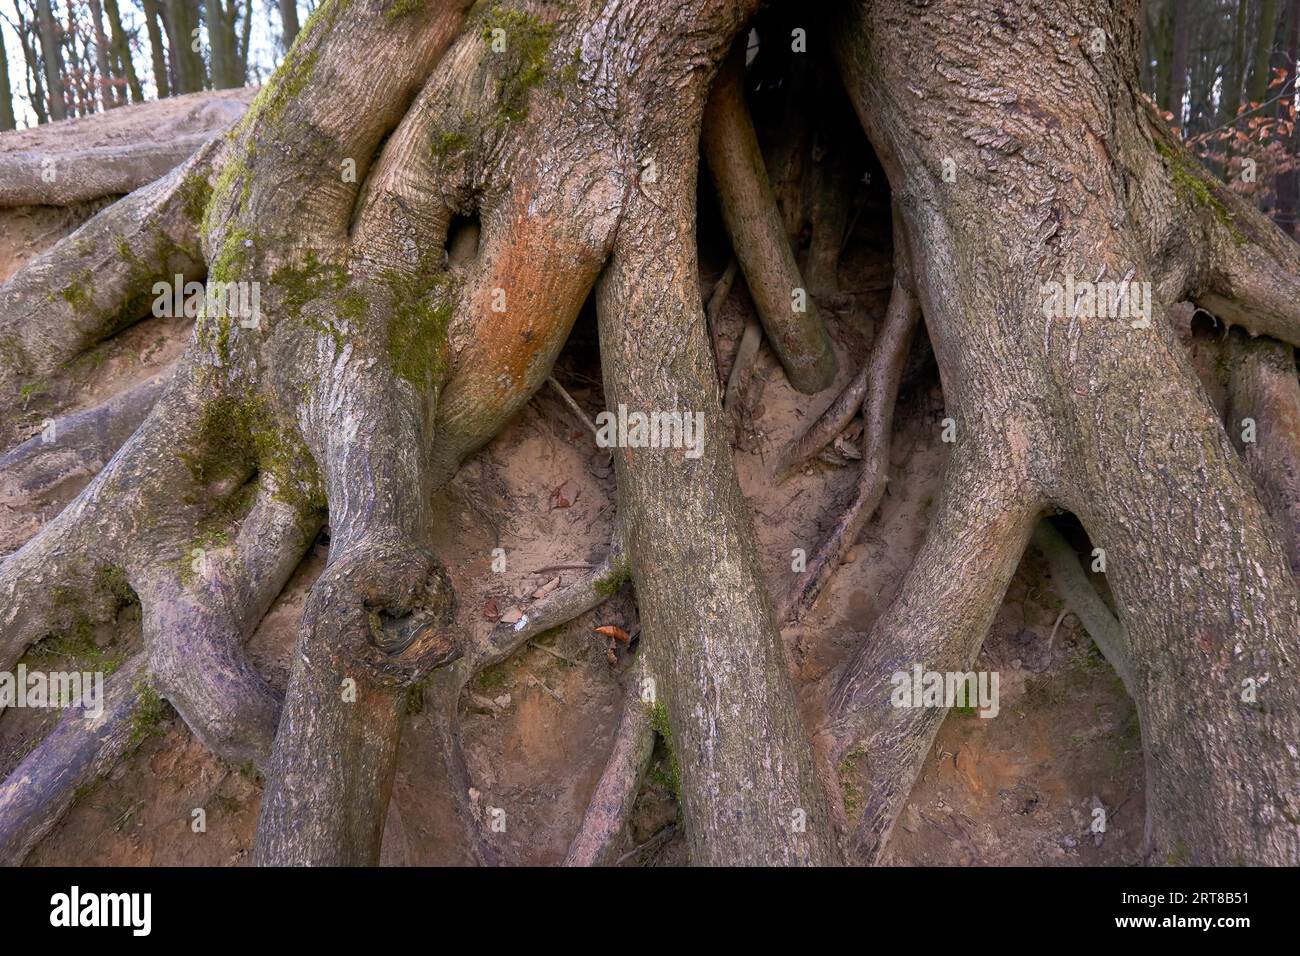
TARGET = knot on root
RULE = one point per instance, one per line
(386, 609)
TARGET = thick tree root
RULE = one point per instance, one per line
(758, 235)
(603, 828)
(1264, 390)
(99, 280)
(712, 646)
(1080, 597)
(880, 379)
(937, 621)
(199, 611)
(76, 446)
(115, 152)
(77, 753)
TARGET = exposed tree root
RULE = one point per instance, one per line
(99, 280)
(712, 646)
(604, 824)
(1080, 597)
(76, 754)
(114, 152)
(1264, 389)
(199, 611)
(937, 621)
(77, 445)
(758, 235)
(880, 382)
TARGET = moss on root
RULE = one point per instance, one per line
(420, 313)
(239, 435)
(522, 66)
(149, 713)
(1191, 184)
(659, 720)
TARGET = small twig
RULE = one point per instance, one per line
(554, 653)
(585, 566)
(573, 406)
(534, 679)
(660, 837)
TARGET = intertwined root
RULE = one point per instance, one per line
(376, 365)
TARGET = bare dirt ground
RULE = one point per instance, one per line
(1019, 788)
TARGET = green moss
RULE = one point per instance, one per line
(659, 720)
(1192, 183)
(420, 312)
(221, 195)
(619, 575)
(77, 292)
(492, 679)
(523, 62)
(448, 143)
(849, 790)
(401, 8)
(316, 280)
(112, 578)
(238, 435)
(150, 711)
(232, 258)
(195, 194)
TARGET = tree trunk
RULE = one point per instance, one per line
(124, 66)
(1288, 180)
(1035, 397)
(47, 29)
(288, 23)
(181, 18)
(152, 17)
(391, 344)
(1261, 61)
(6, 91)
(1178, 66)
(108, 93)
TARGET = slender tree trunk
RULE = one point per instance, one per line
(181, 18)
(35, 89)
(1182, 15)
(51, 55)
(1288, 180)
(152, 18)
(6, 91)
(108, 93)
(288, 22)
(124, 64)
(1235, 69)
(1261, 61)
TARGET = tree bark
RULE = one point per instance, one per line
(47, 29)
(1036, 398)
(152, 18)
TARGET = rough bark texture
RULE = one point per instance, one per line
(1050, 405)
(392, 343)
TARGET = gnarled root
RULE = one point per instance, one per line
(749, 791)
(77, 753)
(604, 824)
(937, 621)
(77, 445)
(880, 382)
(758, 235)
